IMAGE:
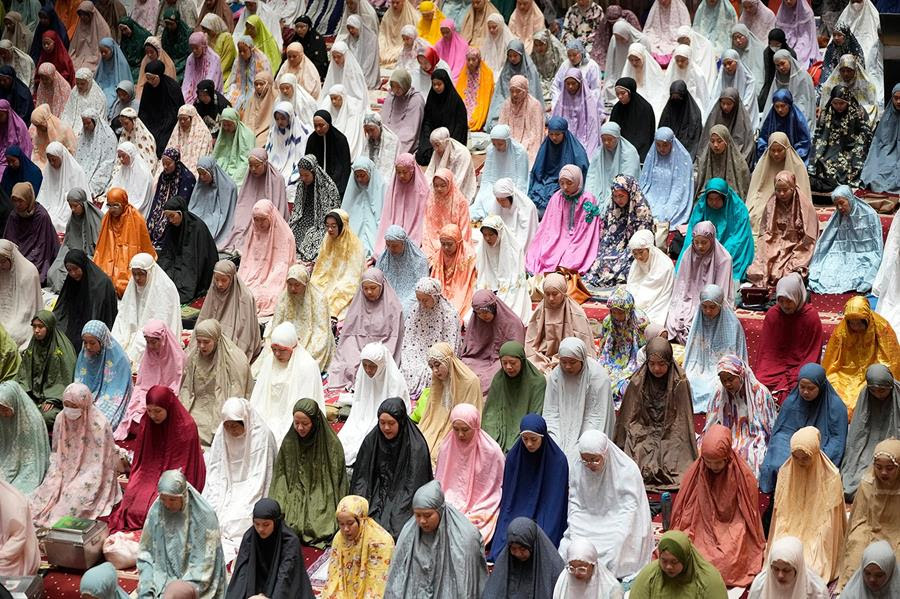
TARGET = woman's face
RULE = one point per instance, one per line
(682, 62)
(493, 28)
(715, 200)
(404, 173)
(531, 441)
(513, 57)
(55, 161)
(657, 366)
(439, 370)
(783, 66)
(425, 300)
(302, 424)
(623, 95)
(874, 577)
(296, 288)
(783, 191)
(260, 88)
(641, 254)
(568, 186)
(717, 144)
(437, 85)
(369, 367)
(244, 51)
(571, 366)
(732, 383)
(462, 431)
(295, 57)
(157, 414)
(332, 227)
(256, 167)
(440, 186)
(857, 325)
(784, 573)
(77, 208)
(105, 53)
(348, 525)
(511, 365)
(150, 52)
(388, 425)
(554, 298)
(620, 197)
(670, 564)
(730, 66)
(663, 148)
(778, 153)
(307, 176)
(168, 165)
(124, 157)
(449, 247)
(91, 344)
(808, 390)
(371, 290)
(489, 235)
(786, 305)
(338, 58)
(337, 100)
(726, 105)
(886, 470)
(840, 105)
(838, 37)
(48, 44)
(781, 108)
(205, 176)
(184, 122)
(261, 222)
(321, 126)
(710, 309)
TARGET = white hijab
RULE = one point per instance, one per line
(692, 76)
(365, 48)
(350, 75)
(886, 286)
(304, 104)
(651, 282)
(370, 391)
(864, 20)
(609, 507)
(575, 403)
(457, 158)
(58, 182)
(521, 217)
(348, 119)
(501, 269)
(158, 299)
(702, 52)
(78, 103)
(493, 47)
(807, 584)
(650, 79)
(20, 294)
(742, 80)
(279, 386)
(602, 584)
(135, 178)
(238, 470)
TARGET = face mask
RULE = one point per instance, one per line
(774, 48)
(72, 413)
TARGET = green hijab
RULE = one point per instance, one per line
(9, 356)
(48, 365)
(510, 398)
(232, 150)
(698, 580)
(24, 445)
(175, 43)
(133, 47)
(309, 478)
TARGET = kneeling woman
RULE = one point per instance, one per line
(680, 571)
(361, 553)
(309, 477)
(180, 542)
(270, 560)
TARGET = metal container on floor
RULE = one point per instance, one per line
(75, 543)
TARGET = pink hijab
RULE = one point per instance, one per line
(481, 351)
(694, 273)
(453, 52)
(208, 66)
(81, 476)
(14, 134)
(268, 253)
(471, 473)
(19, 552)
(268, 186)
(404, 204)
(558, 242)
(161, 367)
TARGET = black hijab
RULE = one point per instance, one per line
(332, 151)
(388, 472)
(91, 298)
(210, 112)
(535, 577)
(188, 253)
(445, 109)
(18, 96)
(313, 46)
(775, 35)
(682, 116)
(159, 105)
(636, 119)
(272, 566)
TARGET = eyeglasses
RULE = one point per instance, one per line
(580, 570)
(596, 462)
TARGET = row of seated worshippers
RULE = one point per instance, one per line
(549, 520)
(558, 340)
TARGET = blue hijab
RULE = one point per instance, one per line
(535, 485)
(550, 159)
(848, 253)
(110, 73)
(880, 171)
(107, 375)
(404, 271)
(667, 182)
(732, 223)
(827, 413)
(28, 172)
(793, 125)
